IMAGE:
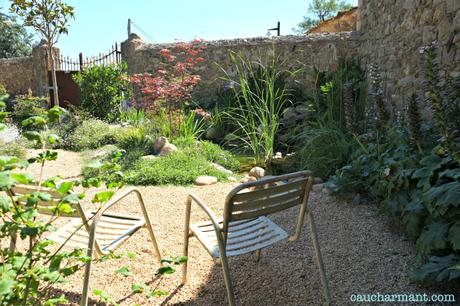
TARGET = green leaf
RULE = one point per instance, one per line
(65, 187)
(34, 120)
(165, 270)
(53, 138)
(54, 114)
(5, 203)
(56, 301)
(444, 196)
(6, 181)
(451, 173)
(438, 269)
(140, 288)
(158, 293)
(124, 271)
(432, 238)
(6, 285)
(454, 236)
(33, 136)
(71, 198)
(23, 178)
(102, 196)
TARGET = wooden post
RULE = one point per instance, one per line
(279, 28)
(129, 27)
(80, 59)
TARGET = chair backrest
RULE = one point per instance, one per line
(44, 207)
(267, 196)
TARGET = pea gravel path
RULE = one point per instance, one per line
(363, 253)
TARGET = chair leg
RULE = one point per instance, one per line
(84, 296)
(258, 253)
(154, 242)
(185, 253)
(319, 258)
(13, 239)
(227, 280)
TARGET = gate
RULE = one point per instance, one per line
(69, 92)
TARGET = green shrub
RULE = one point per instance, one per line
(323, 150)
(92, 134)
(178, 168)
(13, 148)
(101, 90)
(214, 153)
(26, 106)
(68, 124)
(130, 138)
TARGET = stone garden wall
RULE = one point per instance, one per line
(21, 74)
(17, 74)
(392, 31)
(321, 51)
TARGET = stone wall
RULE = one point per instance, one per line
(17, 74)
(321, 51)
(21, 74)
(392, 31)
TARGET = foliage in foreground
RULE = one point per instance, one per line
(26, 276)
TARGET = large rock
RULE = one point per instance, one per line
(168, 148)
(257, 172)
(159, 144)
(205, 180)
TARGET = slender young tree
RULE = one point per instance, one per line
(50, 19)
(320, 10)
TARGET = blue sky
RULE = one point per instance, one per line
(100, 23)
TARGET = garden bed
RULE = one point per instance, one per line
(362, 254)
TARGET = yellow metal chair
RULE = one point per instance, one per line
(99, 232)
(244, 227)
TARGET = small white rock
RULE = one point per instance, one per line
(205, 180)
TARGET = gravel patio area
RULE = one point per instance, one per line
(363, 253)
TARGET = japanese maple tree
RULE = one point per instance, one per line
(174, 80)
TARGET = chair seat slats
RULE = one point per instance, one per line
(111, 231)
(260, 233)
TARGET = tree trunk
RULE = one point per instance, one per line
(53, 75)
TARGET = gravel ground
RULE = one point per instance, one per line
(363, 253)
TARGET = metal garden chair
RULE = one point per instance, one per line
(98, 231)
(244, 227)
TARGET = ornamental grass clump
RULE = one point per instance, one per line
(259, 103)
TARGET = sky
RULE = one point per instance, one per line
(99, 24)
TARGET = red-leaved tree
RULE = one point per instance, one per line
(173, 81)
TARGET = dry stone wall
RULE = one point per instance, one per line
(17, 74)
(22, 74)
(392, 31)
(320, 51)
